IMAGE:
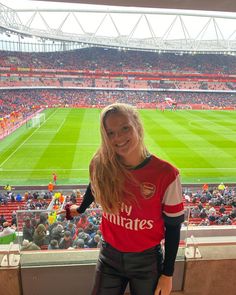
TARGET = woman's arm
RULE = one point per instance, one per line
(172, 238)
(87, 200)
(74, 210)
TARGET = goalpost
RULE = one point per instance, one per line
(37, 120)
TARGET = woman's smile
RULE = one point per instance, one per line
(124, 138)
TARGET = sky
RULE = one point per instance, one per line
(124, 23)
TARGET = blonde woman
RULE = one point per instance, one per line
(141, 198)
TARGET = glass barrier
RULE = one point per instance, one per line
(210, 216)
(41, 230)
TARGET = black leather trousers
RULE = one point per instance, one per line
(116, 269)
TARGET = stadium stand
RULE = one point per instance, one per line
(112, 60)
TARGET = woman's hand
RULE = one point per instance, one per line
(164, 285)
(70, 211)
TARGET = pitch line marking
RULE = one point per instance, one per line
(46, 169)
(46, 131)
(62, 144)
(25, 140)
(208, 169)
(58, 129)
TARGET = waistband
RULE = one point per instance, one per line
(109, 246)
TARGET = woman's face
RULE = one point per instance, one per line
(124, 138)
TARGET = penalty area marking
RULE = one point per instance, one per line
(52, 131)
(58, 129)
(25, 140)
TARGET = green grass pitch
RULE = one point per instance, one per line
(202, 144)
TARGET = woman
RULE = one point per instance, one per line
(141, 199)
(40, 234)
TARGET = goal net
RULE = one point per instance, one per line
(37, 120)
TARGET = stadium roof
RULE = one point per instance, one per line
(209, 5)
(73, 26)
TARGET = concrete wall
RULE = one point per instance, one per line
(10, 282)
(213, 274)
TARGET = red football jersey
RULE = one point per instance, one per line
(140, 224)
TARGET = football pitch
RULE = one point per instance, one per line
(202, 144)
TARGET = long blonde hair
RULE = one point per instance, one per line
(107, 173)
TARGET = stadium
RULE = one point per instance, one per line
(59, 67)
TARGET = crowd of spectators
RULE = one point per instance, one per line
(43, 230)
(215, 206)
(27, 102)
(39, 230)
(116, 60)
(110, 68)
(123, 82)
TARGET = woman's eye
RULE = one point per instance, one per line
(110, 133)
(126, 128)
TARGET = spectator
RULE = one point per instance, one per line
(71, 228)
(83, 222)
(18, 197)
(12, 196)
(212, 210)
(8, 234)
(54, 178)
(187, 198)
(43, 219)
(222, 209)
(203, 213)
(90, 228)
(7, 229)
(82, 235)
(203, 198)
(221, 187)
(79, 244)
(13, 219)
(40, 236)
(195, 212)
(57, 232)
(94, 242)
(8, 188)
(205, 187)
(66, 242)
(53, 245)
(2, 219)
(29, 246)
(28, 230)
(50, 187)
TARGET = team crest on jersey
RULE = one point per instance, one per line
(148, 190)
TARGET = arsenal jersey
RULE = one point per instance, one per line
(154, 192)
